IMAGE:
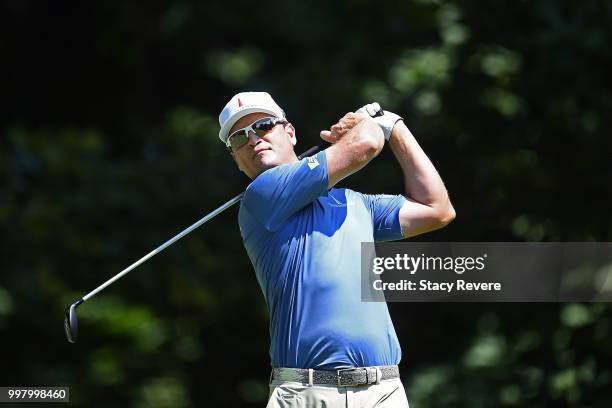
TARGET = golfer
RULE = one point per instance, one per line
(303, 236)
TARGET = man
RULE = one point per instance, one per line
(303, 236)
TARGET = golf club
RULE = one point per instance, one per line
(71, 325)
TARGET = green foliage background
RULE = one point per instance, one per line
(109, 147)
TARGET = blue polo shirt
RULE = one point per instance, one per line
(304, 242)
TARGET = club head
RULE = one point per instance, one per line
(71, 325)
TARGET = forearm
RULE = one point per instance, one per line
(363, 142)
(353, 150)
(422, 182)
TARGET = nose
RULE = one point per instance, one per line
(253, 139)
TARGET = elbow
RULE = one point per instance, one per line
(433, 219)
(446, 216)
(439, 219)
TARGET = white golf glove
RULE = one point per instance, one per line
(386, 120)
(371, 109)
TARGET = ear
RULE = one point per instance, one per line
(291, 131)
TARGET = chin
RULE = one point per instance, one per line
(267, 160)
(264, 163)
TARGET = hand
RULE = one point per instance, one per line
(386, 120)
(346, 123)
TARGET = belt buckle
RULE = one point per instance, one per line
(373, 375)
(339, 375)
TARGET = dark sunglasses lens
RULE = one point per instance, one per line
(238, 139)
(263, 126)
(260, 127)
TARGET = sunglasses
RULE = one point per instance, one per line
(260, 127)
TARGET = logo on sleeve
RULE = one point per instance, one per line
(312, 162)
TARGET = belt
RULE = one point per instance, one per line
(348, 377)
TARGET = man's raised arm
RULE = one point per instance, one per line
(428, 206)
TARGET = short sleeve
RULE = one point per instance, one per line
(278, 193)
(385, 210)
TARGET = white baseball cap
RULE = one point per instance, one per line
(241, 105)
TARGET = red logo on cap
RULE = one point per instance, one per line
(239, 103)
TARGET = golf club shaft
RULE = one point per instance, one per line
(180, 235)
(165, 245)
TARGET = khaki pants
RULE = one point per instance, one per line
(387, 394)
